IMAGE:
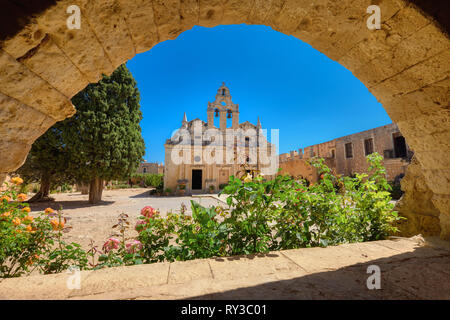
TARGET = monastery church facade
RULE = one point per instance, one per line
(202, 156)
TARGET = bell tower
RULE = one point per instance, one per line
(223, 107)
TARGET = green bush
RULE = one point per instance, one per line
(147, 179)
(396, 191)
(120, 186)
(261, 216)
(154, 180)
(33, 243)
(275, 215)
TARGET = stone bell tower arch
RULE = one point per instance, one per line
(223, 107)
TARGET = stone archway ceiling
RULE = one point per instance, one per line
(406, 64)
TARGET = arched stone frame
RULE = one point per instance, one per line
(405, 64)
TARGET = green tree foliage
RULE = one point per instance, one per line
(46, 163)
(104, 136)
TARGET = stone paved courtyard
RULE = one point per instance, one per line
(95, 221)
(411, 268)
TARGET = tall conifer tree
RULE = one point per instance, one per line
(103, 138)
(102, 141)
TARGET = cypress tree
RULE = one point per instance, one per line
(103, 138)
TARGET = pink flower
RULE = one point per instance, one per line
(148, 212)
(134, 246)
(140, 225)
(110, 244)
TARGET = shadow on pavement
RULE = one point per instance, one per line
(76, 204)
(421, 274)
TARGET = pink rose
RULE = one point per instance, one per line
(148, 212)
(110, 244)
(134, 246)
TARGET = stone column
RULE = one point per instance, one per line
(210, 118)
(235, 120)
(223, 120)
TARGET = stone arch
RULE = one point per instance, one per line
(405, 64)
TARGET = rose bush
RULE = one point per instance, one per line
(283, 213)
(30, 243)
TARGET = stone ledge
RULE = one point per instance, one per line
(240, 275)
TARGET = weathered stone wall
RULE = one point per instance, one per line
(298, 168)
(150, 168)
(395, 168)
(322, 150)
(405, 64)
(416, 204)
(335, 158)
(382, 140)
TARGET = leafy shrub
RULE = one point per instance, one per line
(282, 213)
(199, 236)
(154, 180)
(147, 179)
(120, 186)
(117, 252)
(396, 191)
(30, 243)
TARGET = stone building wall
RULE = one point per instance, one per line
(334, 153)
(212, 174)
(150, 168)
(383, 143)
(298, 168)
(321, 150)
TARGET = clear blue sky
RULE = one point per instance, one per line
(291, 86)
